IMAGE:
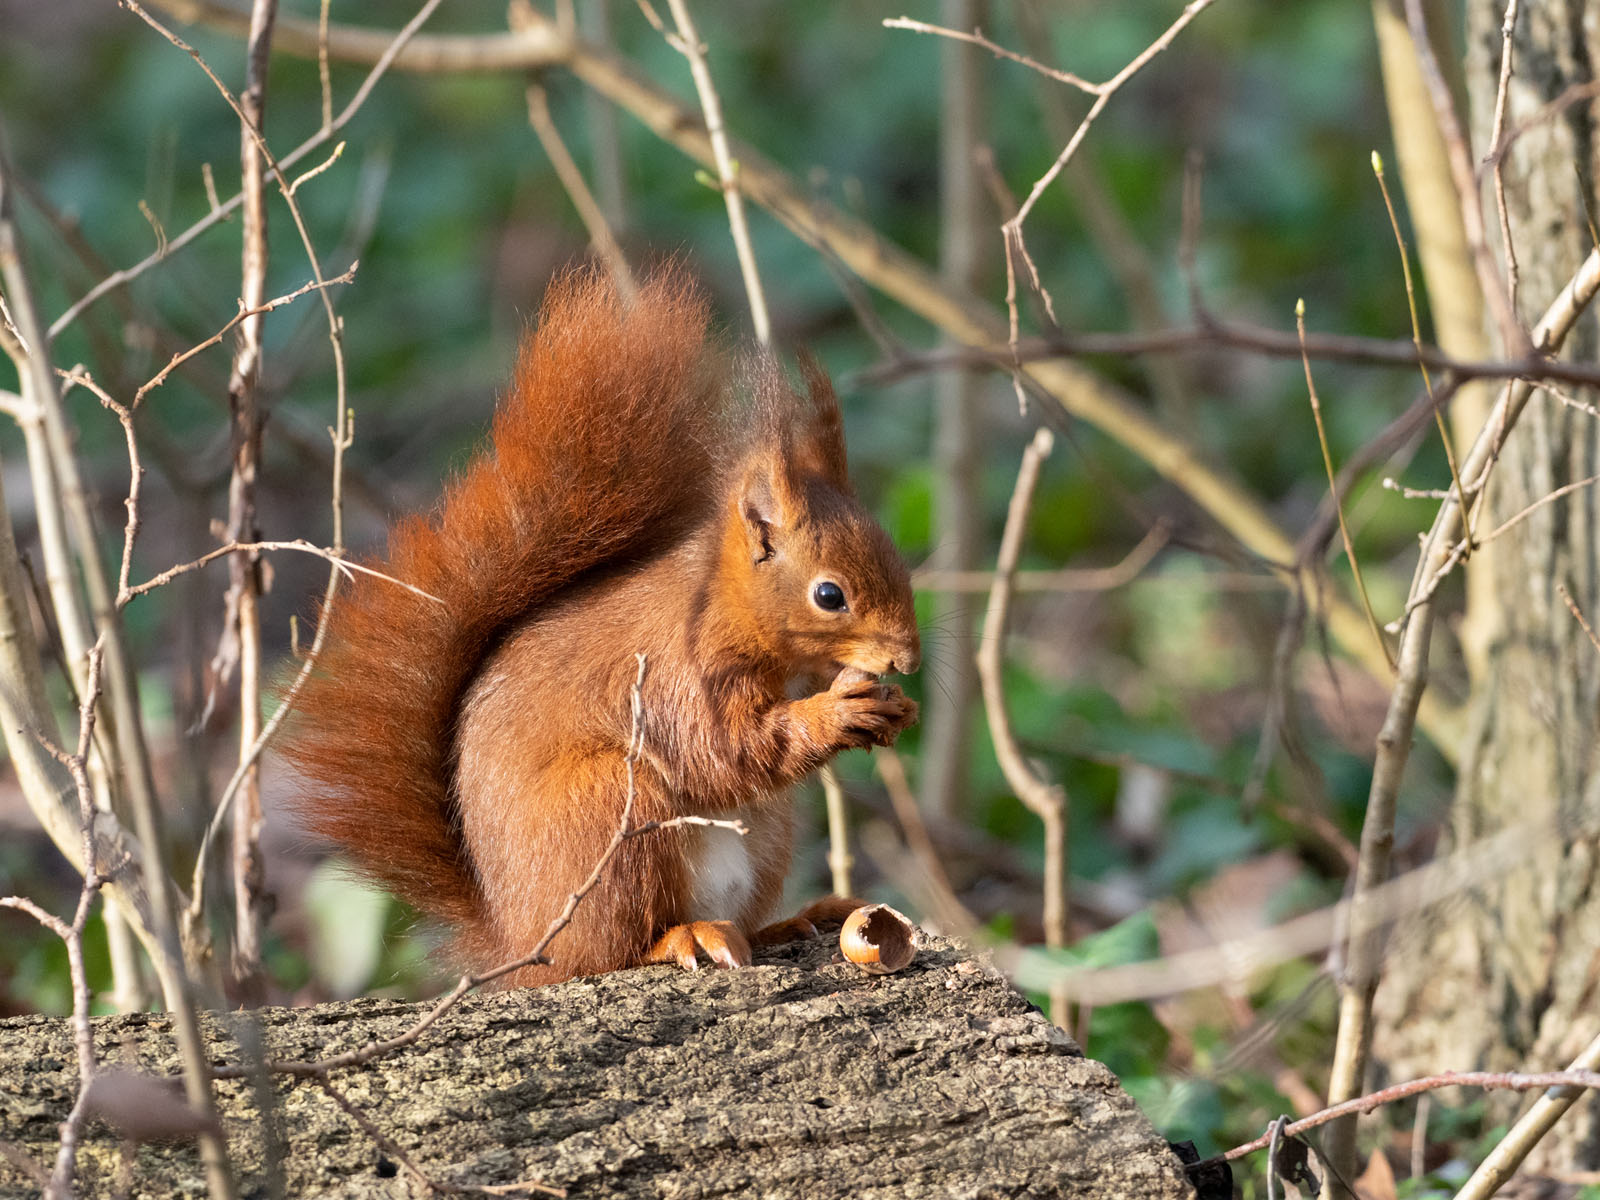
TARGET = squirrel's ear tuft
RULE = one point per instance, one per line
(821, 442)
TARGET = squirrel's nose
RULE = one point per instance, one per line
(906, 661)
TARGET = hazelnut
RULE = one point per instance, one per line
(878, 939)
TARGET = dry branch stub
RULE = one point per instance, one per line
(797, 1077)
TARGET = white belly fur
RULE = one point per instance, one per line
(721, 875)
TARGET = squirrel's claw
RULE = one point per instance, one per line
(721, 941)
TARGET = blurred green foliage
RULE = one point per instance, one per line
(443, 194)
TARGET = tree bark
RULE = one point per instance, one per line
(796, 1077)
(1508, 979)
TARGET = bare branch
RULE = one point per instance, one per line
(1508, 244)
(943, 903)
(244, 571)
(976, 38)
(839, 858)
(1504, 1159)
(1573, 1080)
(601, 239)
(1513, 338)
(1333, 483)
(689, 45)
(1072, 579)
(381, 49)
(1572, 607)
(1047, 801)
(1416, 325)
(332, 554)
(179, 359)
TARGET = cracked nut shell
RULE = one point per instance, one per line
(878, 939)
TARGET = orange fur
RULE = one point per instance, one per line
(470, 755)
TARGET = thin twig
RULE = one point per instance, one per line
(687, 42)
(332, 554)
(1571, 401)
(311, 173)
(60, 1184)
(1513, 338)
(1215, 333)
(1071, 579)
(1575, 1080)
(1530, 1129)
(382, 59)
(1507, 30)
(1103, 92)
(1574, 93)
(324, 76)
(1549, 497)
(1410, 493)
(1333, 484)
(179, 359)
(343, 435)
(1048, 801)
(976, 38)
(1442, 551)
(601, 239)
(1572, 607)
(75, 572)
(1429, 583)
(245, 586)
(1416, 326)
(945, 904)
(840, 859)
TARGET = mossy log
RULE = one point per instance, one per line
(798, 1077)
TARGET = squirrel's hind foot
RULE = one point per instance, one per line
(828, 912)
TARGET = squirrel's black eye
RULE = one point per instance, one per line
(828, 596)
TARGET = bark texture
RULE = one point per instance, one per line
(1511, 977)
(798, 1077)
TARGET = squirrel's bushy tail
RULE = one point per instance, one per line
(606, 441)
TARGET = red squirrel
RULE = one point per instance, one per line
(639, 496)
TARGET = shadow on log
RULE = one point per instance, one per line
(798, 1077)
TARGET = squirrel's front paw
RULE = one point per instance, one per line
(721, 940)
(871, 713)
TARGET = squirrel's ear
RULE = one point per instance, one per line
(764, 504)
(823, 440)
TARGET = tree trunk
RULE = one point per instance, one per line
(798, 1077)
(1508, 979)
